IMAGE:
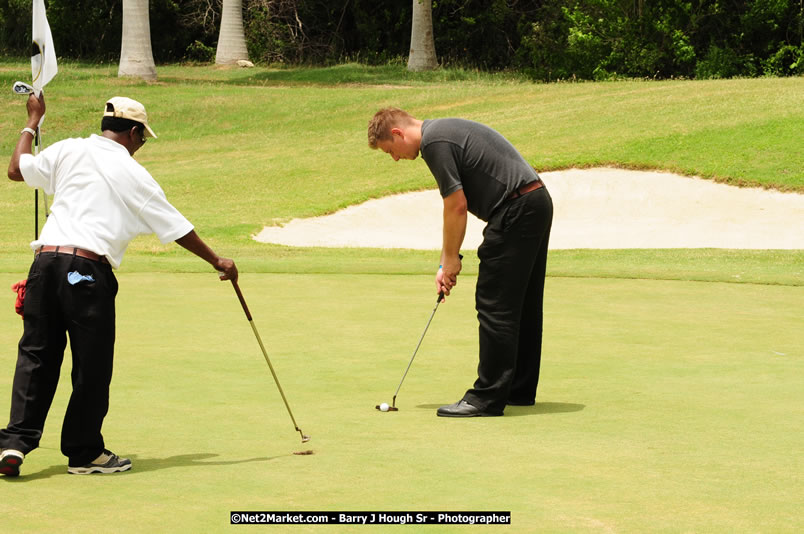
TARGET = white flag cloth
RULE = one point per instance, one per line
(43, 56)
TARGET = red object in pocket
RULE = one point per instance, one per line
(19, 287)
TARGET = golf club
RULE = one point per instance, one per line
(304, 438)
(392, 408)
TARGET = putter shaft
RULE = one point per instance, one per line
(440, 298)
(304, 438)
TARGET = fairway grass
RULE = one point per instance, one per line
(664, 406)
(242, 149)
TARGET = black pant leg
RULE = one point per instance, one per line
(39, 358)
(514, 242)
(529, 351)
(89, 308)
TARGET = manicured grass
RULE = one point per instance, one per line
(774, 267)
(666, 404)
(663, 406)
(240, 149)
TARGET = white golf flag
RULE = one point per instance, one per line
(43, 56)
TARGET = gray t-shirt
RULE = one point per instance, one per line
(464, 154)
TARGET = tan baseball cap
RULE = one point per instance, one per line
(126, 108)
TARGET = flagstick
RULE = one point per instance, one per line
(43, 69)
(36, 153)
(36, 214)
(37, 140)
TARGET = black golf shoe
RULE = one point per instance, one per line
(464, 409)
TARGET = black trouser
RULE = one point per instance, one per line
(54, 307)
(509, 301)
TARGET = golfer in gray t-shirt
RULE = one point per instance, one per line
(479, 171)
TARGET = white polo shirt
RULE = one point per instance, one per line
(102, 198)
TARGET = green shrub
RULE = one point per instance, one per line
(787, 61)
(200, 52)
(718, 63)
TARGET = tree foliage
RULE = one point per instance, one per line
(548, 39)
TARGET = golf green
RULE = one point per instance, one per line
(663, 406)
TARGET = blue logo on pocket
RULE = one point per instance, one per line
(76, 277)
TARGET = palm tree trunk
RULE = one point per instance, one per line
(136, 57)
(232, 39)
(422, 46)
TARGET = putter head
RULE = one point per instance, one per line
(305, 438)
(22, 88)
(390, 408)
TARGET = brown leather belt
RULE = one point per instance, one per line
(525, 189)
(88, 254)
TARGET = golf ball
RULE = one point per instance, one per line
(384, 407)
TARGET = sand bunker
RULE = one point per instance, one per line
(594, 208)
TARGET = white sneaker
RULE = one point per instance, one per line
(107, 462)
(10, 462)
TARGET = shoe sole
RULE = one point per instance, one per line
(10, 465)
(97, 469)
(469, 415)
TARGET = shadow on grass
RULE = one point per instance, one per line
(45, 473)
(188, 460)
(144, 465)
(540, 408)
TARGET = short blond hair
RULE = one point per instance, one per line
(379, 127)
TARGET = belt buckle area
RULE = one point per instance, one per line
(74, 251)
(527, 188)
(522, 190)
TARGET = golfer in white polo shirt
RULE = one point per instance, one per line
(102, 199)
